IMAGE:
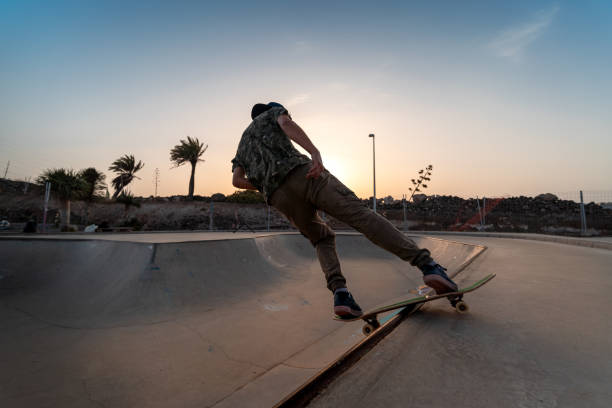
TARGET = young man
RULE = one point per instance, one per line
(297, 186)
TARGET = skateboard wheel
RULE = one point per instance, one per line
(368, 329)
(462, 307)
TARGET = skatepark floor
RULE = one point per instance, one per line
(183, 319)
(538, 335)
(229, 320)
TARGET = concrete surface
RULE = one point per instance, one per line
(538, 335)
(150, 237)
(174, 320)
(591, 242)
(194, 236)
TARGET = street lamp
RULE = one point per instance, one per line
(374, 167)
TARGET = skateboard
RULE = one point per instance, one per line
(427, 295)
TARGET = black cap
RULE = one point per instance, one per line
(260, 108)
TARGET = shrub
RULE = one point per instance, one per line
(217, 197)
(246, 197)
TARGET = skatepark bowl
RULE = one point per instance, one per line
(182, 320)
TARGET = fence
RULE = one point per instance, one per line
(596, 196)
(591, 215)
(518, 213)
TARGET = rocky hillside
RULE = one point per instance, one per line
(543, 214)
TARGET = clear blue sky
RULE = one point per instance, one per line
(501, 97)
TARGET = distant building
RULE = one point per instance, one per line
(388, 200)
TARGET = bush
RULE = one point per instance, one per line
(217, 197)
(127, 199)
(246, 197)
(133, 223)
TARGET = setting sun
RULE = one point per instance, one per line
(337, 167)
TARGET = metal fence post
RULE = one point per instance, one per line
(583, 226)
(484, 210)
(404, 208)
(211, 215)
(47, 195)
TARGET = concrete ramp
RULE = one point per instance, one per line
(101, 284)
(203, 323)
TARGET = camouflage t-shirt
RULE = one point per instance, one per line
(266, 152)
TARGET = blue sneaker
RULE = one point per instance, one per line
(436, 278)
(345, 306)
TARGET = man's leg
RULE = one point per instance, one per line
(304, 217)
(290, 200)
(330, 195)
(333, 197)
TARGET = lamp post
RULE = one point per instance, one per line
(374, 167)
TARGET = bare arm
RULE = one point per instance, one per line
(295, 133)
(239, 179)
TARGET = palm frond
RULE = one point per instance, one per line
(95, 183)
(188, 151)
(125, 167)
(66, 183)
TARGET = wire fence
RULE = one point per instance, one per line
(557, 212)
(553, 213)
(594, 196)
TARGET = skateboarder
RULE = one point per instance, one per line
(297, 186)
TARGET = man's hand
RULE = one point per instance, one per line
(317, 165)
(239, 179)
(295, 133)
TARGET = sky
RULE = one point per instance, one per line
(502, 98)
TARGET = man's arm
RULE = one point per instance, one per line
(239, 179)
(295, 133)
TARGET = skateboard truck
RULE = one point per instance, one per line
(372, 324)
(458, 303)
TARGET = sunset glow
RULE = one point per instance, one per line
(500, 100)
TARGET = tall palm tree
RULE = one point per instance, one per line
(188, 151)
(125, 167)
(67, 185)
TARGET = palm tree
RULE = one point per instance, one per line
(96, 183)
(67, 185)
(125, 167)
(95, 187)
(188, 151)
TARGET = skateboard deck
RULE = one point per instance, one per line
(455, 298)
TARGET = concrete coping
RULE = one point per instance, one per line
(585, 242)
(194, 236)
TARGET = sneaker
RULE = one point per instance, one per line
(345, 306)
(436, 278)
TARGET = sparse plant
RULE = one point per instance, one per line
(420, 181)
